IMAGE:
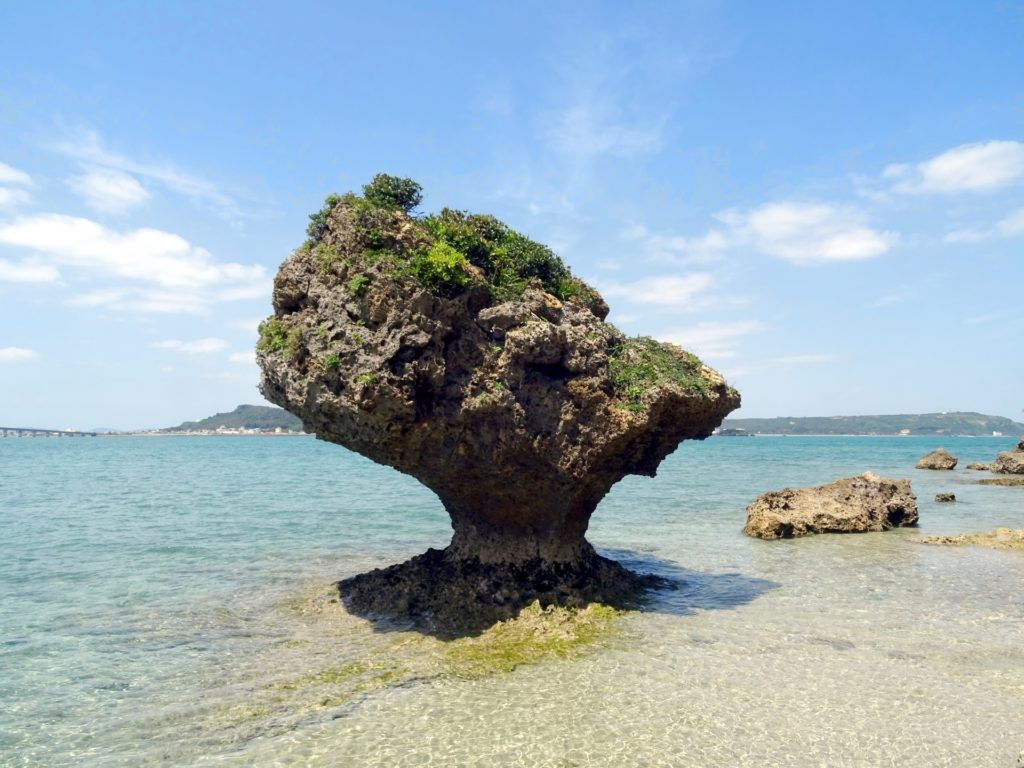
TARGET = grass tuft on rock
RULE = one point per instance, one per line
(638, 364)
(441, 247)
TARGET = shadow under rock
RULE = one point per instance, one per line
(683, 591)
(649, 584)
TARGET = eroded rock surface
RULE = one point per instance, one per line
(1010, 462)
(940, 458)
(851, 505)
(409, 342)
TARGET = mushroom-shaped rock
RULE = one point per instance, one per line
(851, 505)
(940, 458)
(466, 355)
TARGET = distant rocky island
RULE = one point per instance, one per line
(244, 419)
(951, 423)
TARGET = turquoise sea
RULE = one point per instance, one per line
(167, 601)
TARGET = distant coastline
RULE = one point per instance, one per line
(948, 424)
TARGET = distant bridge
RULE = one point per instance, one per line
(30, 432)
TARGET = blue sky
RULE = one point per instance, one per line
(825, 201)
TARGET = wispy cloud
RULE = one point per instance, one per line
(676, 249)
(714, 340)
(242, 357)
(663, 290)
(806, 233)
(88, 149)
(11, 175)
(16, 355)
(173, 272)
(27, 271)
(979, 167)
(787, 361)
(11, 195)
(109, 191)
(1011, 225)
(197, 347)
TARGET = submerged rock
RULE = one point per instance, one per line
(945, 497)
(851, 505)
(940, 458)
(468, 356)
(1000, 538)
(979, 466)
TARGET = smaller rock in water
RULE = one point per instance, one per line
(944, 497)
(851, 505)
(978, 465)
(940, 458)
(1010, 462)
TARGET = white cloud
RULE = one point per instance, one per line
(804, 233)
(11, 175)
(16, 355)
(715, 340)
(242, 357)
(196, 347)
(89, 150)
(176, 276)
(663, 290)
(967, 168)
(109, 191)
(28, 271)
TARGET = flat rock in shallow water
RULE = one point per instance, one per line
(1005, 481)
(1000, 538)
(945, 497)
(851, 505)
(940, 458)
(979, 466)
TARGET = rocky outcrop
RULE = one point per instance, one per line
(851, 505)
(1010, 462)
(945, 497)
(940, 458)
(979, 466)
(465, 355)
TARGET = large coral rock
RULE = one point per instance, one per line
(851, 505)
(520, 410)
(1010, 462)
(940, 458)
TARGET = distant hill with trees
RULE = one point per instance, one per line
(952, 423)
(262, 417)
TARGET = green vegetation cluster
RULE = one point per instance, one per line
(452, 249)
(638, 364)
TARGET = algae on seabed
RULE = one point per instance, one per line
(536, 634)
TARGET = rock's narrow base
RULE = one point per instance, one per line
(447, 595)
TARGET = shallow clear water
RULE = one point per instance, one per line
(167, 601)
